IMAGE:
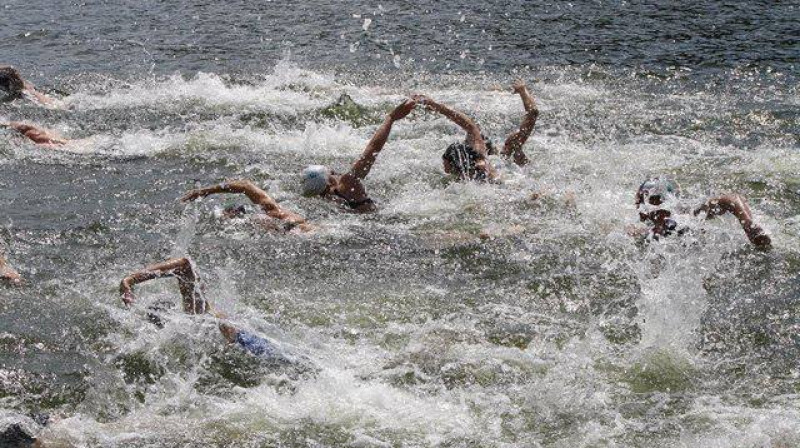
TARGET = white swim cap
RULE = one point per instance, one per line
(315, 179)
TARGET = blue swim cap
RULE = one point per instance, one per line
(315, 180)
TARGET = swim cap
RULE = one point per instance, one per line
(11, 83)
(315, 179)
(663, 187)
(463, 159)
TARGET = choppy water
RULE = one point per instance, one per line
(559, 331)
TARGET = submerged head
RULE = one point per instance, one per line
(316, 180)
(655, 195)
(11, 83)
(461, 160)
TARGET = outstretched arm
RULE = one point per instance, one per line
(256, 195)
(36, 134)
(466, 123)
(181, 268)
(39, 96)
(515, 141)
(737, 206)
(364, 164)
(474, 137)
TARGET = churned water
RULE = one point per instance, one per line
(460, 314)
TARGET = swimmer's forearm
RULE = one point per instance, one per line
(255, 194)
(527, 101)
(154, 271)
(738, 207)
(459, 118)
(364, 164)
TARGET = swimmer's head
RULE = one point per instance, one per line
(11, 83)
(316, 179)
(16, 435)
(656, 195)
(461, 160)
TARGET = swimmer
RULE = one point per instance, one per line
(656, 200)
(193, 303)
(35, 134)
(8, 274)
(346, 189)
(13, 86)
(16, 436)
(468, 159)
(273, 213)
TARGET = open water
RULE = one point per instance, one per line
(558, 330)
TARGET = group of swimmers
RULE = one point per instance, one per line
(656, 199)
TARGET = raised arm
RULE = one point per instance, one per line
(180, 268)
(515, 141)
(364, 164)
(737, 206)
(474, 137)
(256, 196)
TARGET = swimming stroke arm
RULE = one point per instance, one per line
(363, 165)
(515, 141)
(256, 196)
(459, 118)
(35, 134)
(179, 267)
(738, 207)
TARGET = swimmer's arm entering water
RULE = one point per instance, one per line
(35, 134)
(737, 206)
(256, 196)
(30, 91)
(515, 141)
(180, 268)
(474, 137)
(364, 164)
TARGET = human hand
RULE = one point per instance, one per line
(127, 297)
(518, 86)
(403, 109)
(191, 195)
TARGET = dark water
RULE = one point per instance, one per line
(59, 38)
(558, 331)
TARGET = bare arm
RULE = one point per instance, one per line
(179, 267)
(738, 207)
(364, 164)
(37, 135)
(256, 196)
(462, 120)
(515, 141)
(31, 91)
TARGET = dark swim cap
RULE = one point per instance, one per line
(14, 436)
(662, 187)
(463, 158)
(11, 83)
